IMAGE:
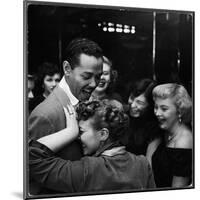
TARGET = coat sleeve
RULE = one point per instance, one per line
(149, 177)
(53, 172)
(39, 126)
(151, 182)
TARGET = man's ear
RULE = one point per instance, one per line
(66, 68)
(104, 134)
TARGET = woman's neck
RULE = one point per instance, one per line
(174, 132)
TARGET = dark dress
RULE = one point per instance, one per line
(168, 162)
(142, 131)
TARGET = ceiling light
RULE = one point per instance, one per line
(104, 28)
(119, 30)
(110, 29)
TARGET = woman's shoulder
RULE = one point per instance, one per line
(185, 140)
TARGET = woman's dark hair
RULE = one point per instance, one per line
(79, 46)
(45, 69)
(105, 115)
(143, 86)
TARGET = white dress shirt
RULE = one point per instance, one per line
(63, 84)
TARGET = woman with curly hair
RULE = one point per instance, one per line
(106, 166)
(171, 157)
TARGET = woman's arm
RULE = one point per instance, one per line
(54, 172)
(58, 140)
(184, 142)
(151, 149)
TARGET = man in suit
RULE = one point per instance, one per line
(82, 68)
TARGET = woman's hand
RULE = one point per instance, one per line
(71, 121)
(58, 140)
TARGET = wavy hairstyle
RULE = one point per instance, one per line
(105, 114)
(181, 98)
(46, 68)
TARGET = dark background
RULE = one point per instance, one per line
(51, 27)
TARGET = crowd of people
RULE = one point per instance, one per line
(84, 138)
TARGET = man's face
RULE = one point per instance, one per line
(84, 78)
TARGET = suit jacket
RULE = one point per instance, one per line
(49, 117)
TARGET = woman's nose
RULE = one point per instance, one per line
(54, 83)
(102, 77)
(157, 112)
(133, 104)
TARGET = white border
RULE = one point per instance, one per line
(11, 95)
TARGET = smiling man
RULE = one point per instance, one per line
(82, 67)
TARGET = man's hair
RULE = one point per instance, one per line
(181, 98)
(105, 115)
(79, 46)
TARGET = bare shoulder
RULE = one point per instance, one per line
(152, 148)
(185, 141)
(154, 143)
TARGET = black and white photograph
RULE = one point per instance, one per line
(108, 98)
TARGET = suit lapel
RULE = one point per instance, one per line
(61, 96)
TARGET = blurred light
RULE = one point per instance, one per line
(119, 25)
(126, 26)
(104, 28)
(133, 31)
(110, 24)
(119, 30)
(126, 30)
(110, 29)
(167, 16)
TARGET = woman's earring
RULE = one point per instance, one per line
(179, 119)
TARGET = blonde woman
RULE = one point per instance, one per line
(171, 157)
